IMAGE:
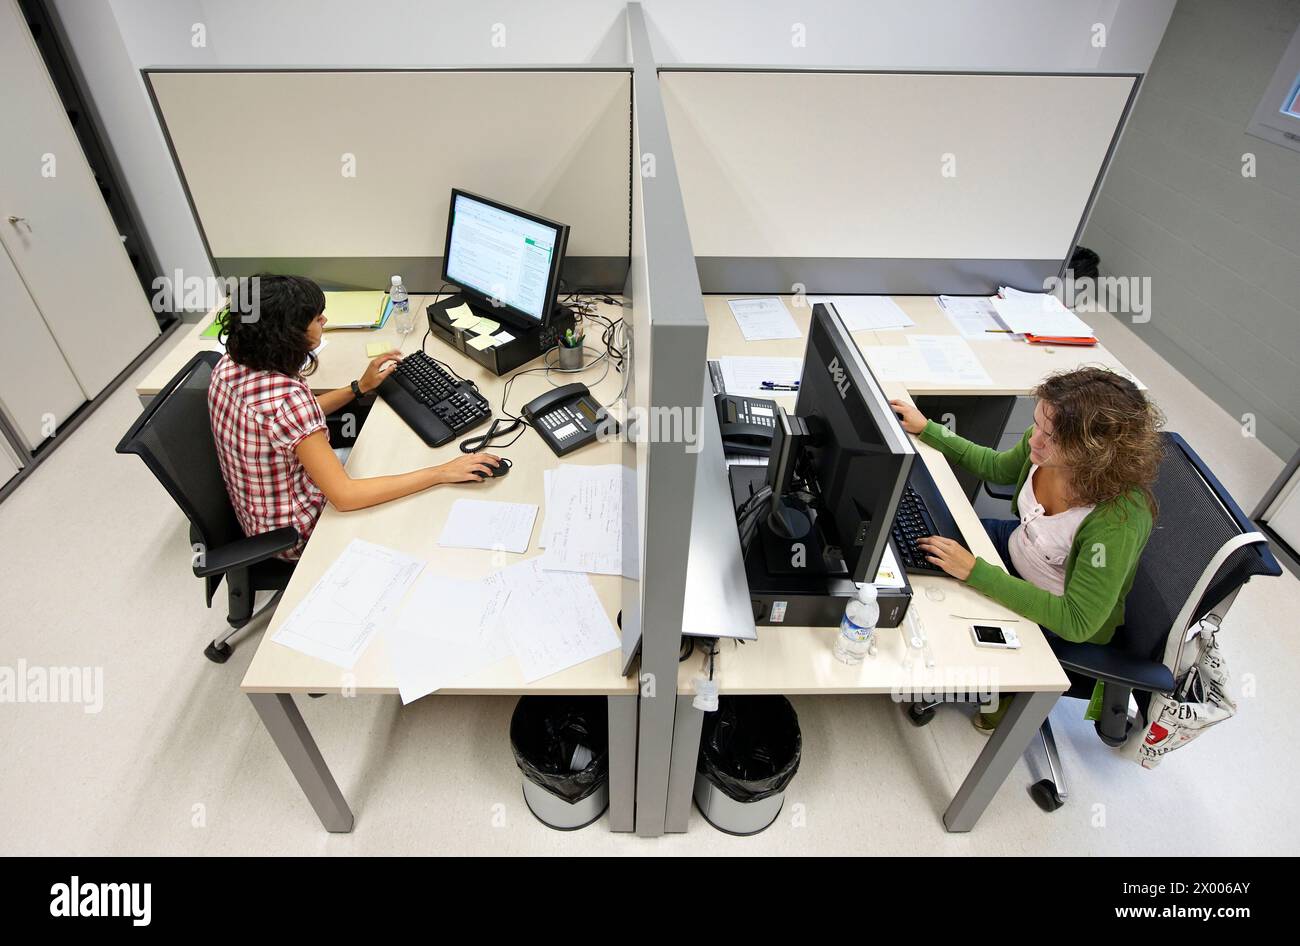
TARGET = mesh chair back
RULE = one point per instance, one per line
(1196, 518)
(174, 438)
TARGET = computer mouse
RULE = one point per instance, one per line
(501, 469)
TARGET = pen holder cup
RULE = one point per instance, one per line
(570, 358)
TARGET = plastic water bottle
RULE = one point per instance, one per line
(858, 626)
(402, 318)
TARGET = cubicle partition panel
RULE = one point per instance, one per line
(901, 183)
(345, 175)
(669, 340)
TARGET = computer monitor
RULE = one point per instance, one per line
(503, 259)
(839, 464)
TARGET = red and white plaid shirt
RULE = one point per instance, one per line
(258, 419)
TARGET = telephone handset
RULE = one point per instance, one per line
(568, 418)
(747, 424)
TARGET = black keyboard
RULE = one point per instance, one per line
(921, 512)
(432, 401)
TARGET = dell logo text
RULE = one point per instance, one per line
(839, 377)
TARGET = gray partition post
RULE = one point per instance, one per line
(665, 284)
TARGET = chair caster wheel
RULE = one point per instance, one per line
(1044, 795)
(919, 715)
(217, 654)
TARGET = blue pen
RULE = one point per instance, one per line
(773, 386)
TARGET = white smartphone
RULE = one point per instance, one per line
(991, 635)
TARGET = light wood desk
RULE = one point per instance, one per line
(798, 660)
(412, 525)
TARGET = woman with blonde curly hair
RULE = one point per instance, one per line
(1083, 504)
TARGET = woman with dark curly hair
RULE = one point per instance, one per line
(270, 431)
(1083, 504)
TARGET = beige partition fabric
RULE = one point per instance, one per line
(893, 166)
(361, 164)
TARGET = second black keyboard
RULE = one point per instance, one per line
(434, 403)
(921, 511)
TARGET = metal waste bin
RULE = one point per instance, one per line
(749, 752)
(561, 745)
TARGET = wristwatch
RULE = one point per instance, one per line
(356, 389)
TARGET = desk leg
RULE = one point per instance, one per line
(622, 763)
(681, 773)
(1007, 744)
(282, 720)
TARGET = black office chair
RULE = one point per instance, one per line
(1202, 550)
(173, 436)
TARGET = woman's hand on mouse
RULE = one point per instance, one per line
(913, 420)
(471, 468)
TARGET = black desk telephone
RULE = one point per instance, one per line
(747, 424)
(568, 418)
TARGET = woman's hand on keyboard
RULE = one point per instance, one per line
(471, 468)
(380, 367)
(948, 555)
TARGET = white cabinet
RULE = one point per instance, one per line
(37, 388)
(55, 225)
(8, 464)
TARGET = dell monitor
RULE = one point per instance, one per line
(505, 260)
(838, 466)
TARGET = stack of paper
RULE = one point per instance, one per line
(976, 319)
(867, 313)
(554, 620)
(763, 319)
(450, 629)
(1040, 316)
(353, 599)
(583, 528)
(356, 309)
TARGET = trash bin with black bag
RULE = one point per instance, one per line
(561, 744)
(749, 752)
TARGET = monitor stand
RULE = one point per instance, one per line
(528, 343)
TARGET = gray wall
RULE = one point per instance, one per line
(1222, 250)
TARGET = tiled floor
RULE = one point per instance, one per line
(93, 572)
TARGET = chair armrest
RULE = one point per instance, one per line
(1008, 495)
(244, 552)
(1112, 665)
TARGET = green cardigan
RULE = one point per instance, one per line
(1102, 561)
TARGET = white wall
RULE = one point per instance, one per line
(1005, 35)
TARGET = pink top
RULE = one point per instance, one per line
(1041, 543)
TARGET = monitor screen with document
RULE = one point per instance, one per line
(504, 257)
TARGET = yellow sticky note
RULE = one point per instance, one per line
(462, 316)
(376, 348)
(483, 341)
(486, 326)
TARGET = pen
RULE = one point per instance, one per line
(773, 386)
